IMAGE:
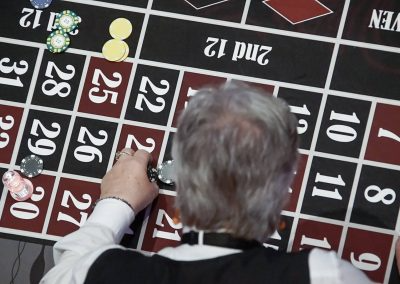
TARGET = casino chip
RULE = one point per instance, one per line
(41, 4)
(58, 41)
(115, 50)
(152, 173)
(67, 21)
(120, 28)
(31, 166)
(126, 52)
(166, 172)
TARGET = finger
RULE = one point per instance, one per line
(155, 189)
(143, 157)
(126, 153)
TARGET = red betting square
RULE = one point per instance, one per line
(162, 230)
(10, 119)
(190, 84)
(29, 215)
(72, 206)
(384, 138)
(105, 87)
(136, 137)
(310, 234)
(368, 251)
(296, 184)
(297, 11)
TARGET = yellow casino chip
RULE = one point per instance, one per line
(126, 52)
(120, 28)
(114, 50)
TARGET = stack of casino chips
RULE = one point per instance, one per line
(65, 23)
(117, 49)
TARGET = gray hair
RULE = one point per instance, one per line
(235, 154)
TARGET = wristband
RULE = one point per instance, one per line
(116, 198)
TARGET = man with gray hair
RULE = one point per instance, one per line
(235, 154)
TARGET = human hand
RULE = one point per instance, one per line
(128, 180)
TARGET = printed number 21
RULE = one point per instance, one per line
(166, 235)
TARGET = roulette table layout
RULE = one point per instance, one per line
(336, 63)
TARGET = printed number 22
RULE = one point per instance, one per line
(156, 90)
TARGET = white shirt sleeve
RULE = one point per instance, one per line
(76, 252)
(327, 268)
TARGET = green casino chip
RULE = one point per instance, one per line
(67, 21)
(58, 41)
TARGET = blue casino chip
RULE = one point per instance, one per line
(41, 4)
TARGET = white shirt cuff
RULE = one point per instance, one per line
(113, 214)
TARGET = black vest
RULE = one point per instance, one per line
(257, 265)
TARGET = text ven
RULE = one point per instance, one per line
(385, 20)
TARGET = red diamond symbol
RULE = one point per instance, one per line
(298, 11)
(201, 4)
